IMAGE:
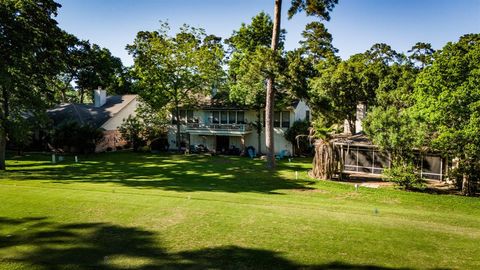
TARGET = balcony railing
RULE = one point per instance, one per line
(219, 127)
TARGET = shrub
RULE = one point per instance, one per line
(73, 137)
(404, 174)
(298, 128)
(131, 129)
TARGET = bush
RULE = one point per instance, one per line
(405, 175)
(73, 137)
(131, 130)
(301, 144)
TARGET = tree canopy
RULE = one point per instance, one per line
(32, 48)
(173, 70)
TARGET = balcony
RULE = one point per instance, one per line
(219, 129)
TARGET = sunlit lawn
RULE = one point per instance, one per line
(146, 211)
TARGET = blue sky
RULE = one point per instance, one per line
(355, 24)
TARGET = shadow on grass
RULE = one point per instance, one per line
(168, 172)
(36, 242)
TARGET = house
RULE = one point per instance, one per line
(222, 127)
(106, 113)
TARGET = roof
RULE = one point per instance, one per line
(88, 113)
(358, 139)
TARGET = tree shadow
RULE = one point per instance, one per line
(168, 172)
(43, 244)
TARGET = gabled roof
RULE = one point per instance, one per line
(89, 114)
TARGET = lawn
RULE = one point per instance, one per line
(146, 211)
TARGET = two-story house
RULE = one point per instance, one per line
(220, 128)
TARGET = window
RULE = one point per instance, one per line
(240, 117)
(232, 117)
(285, 119)
(223, 117)
(276, 119)
(215, 117)
(307, 116)
(190, 116)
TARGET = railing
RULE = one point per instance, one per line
(219, 127)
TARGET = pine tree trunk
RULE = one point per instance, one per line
(270, 98)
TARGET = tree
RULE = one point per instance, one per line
(319, 8)
(422, 53)
(31, 47)
(447, 99)
(174, 70)
(249, 65)
(97, 67)
(145, 126)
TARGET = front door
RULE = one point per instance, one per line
(223, 144)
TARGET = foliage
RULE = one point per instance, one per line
(250, 63)
(404, 174)
(97, 67)
(20, 132)
(74, 137)
(174, 71)
(340, 87)
(32, 48)
(146, 126)
(447, 98)
(422, 53)
(388, 124)
(297, 134)
(131, 130)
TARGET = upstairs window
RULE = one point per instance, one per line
(215, 117)
(276, 119)
(232, 117)
(240, 118)
(223, 117)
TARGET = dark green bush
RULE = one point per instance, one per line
(404, 174)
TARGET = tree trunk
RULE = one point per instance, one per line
(4, 111)
(177, 115)
(270, 98)
(3, 146)
(466, 186)
(259, 131)
(325, 160)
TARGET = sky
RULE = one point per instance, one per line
(355, 24)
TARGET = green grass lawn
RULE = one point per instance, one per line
(145, 211)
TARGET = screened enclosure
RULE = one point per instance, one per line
(368, 159)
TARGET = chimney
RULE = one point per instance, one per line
(361, 113)
(100, 97)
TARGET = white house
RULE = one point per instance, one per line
(219, 128)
